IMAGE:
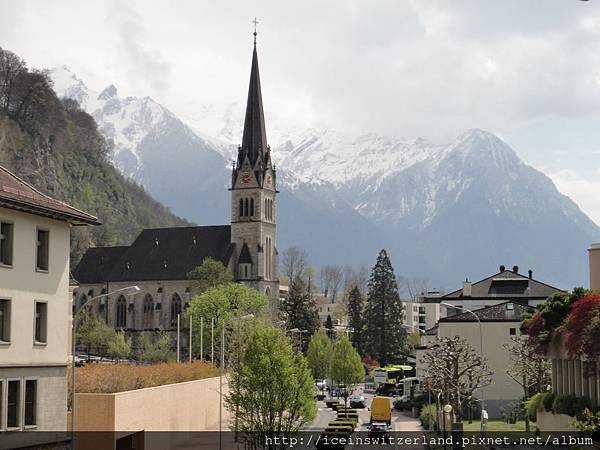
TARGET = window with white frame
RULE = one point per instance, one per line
(13, 404)
(42, 254)
(4, 320)
(6, 243)
(30, 403)
(41, 322)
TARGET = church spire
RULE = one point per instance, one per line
(254, 140)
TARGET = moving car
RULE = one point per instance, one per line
(357, 401)
(381, 410)
(379, 430)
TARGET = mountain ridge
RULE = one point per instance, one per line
(374, 190)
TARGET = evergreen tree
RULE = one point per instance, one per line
(300, 309)
(384, 337)
(355, 317)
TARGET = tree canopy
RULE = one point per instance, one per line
(220, 304)
(319, 355)
(272, 392)
(346, 366)
(209, 274)
(299, 309)
(356, 306)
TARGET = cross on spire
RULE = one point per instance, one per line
(255, 22)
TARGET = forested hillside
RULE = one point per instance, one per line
(55, 146)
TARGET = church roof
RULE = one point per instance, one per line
(254, 140)
(20, 195)
(158, 254)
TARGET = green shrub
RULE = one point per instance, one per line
(548, 400)
(569, 404)
(428, 416)
(534, 404)
(589, 424)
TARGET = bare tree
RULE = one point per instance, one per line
(356, 277)
(294, 263)
(454, 371)
(529, 369)
(331, 278)
(412, 286)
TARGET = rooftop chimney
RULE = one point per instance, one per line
(516, 269)
(594, 254)
(502, 268)
(530, 274)
(467, 288)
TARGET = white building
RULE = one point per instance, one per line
(34, 302)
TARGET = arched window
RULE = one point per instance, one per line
(246, 207)
(241, 213)
(82, 300)
(268, 260)
(121, 313)
(268, 292)
(252, 207)
(175, 308)
(148, 311)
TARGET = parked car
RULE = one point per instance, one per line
(357, 401)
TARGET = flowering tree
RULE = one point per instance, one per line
(582, 327)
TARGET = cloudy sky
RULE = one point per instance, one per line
(528, 71)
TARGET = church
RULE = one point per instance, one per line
(159, 260)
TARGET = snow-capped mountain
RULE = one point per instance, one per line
(445, 212)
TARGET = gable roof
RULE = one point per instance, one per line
(158, 254)
(502, 312)
(21, 196)
(506, 284)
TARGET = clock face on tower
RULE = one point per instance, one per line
(268, 180)
(246, 178)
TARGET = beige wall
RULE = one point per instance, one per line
(503, 389)
(594, 254)
(190, 406)
(416, 312)
(183, 407)
(23, 285)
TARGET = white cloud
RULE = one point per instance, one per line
(586, 192)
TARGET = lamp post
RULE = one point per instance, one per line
(460, 308)
(231, 319)
(130, 290)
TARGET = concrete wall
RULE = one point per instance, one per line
(503, 389)
(594, 254)
(23, 285)
(190, 406)
(547, 421)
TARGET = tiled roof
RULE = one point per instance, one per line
(17, 194)
(502, 312)
(506, 284)
(158, 254)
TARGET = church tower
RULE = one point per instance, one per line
(253, 199)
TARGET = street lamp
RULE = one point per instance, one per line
(130, 291)
(460, 308)
(231, 319)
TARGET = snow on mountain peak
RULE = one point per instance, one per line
(108, 93)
